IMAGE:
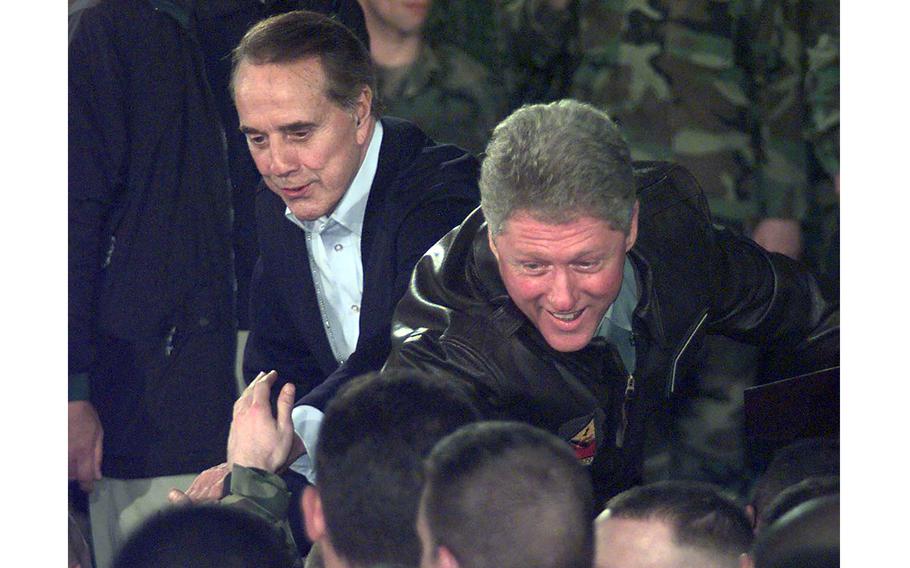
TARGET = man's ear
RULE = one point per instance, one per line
(633, 228)
(445, 558)
(492, 244)
(313, 519)
(362, 111)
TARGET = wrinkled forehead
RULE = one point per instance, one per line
(543, 221)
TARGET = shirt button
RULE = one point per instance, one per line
(355, 308)
(339, 247)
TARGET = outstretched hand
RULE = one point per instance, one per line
(208, 487)
(257, 439)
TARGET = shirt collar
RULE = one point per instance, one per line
(619, 313)
(351, 209)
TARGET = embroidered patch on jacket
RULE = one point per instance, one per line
(584, 443)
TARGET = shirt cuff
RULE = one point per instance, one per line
(307, 421)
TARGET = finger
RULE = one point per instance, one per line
(249, 387)
(99, 453)
(263, 388)
(285, 406)
(178, 497)
(84, 474)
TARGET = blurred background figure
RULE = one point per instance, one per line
(429, 81)
(798, 461)
(808, 537)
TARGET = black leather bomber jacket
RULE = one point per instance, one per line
(457, 321)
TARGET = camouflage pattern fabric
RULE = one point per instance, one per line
(821, 86)
(713, 85)
(265, 495)
(447, 93)
(504, 35)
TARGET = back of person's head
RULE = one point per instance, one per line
(369, 461)
(206, 536)
(557, 161)
(810, 457)
(689, 523)
(506, 494)
(799, 493)
(301, 34)
(807, 536)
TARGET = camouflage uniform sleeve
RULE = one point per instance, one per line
(779, 112)
(265, 495)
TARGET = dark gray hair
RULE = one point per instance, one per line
(301, 34)
(509, 495)
(557, 161)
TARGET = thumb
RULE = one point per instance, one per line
(178, 497)
(285, 405)
(98, 454)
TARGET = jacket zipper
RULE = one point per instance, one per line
(671, 386)
(624, 420)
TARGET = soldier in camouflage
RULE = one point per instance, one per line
(436, 85)
(712, 85)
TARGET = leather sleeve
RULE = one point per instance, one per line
(768, 299)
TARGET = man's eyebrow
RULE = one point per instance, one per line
(291, 127)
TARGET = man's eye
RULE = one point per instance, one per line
(300, 135)
(587, 265)
(256, 139)
(532, 267)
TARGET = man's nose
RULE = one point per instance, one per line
(563, 290)
(283, 158)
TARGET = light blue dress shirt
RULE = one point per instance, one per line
(333, 246)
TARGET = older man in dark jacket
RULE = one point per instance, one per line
(152, 324)
(578, 293)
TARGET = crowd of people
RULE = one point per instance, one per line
(466, 284)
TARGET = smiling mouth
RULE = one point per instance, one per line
(567, 316)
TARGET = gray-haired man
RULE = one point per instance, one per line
(581, 290)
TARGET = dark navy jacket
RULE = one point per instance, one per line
(420, 191)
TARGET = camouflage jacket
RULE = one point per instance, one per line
(265, 495)
(447, 93)
(822, 83)
(714, 85)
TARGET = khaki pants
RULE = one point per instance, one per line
(117, 507)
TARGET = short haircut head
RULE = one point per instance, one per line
(301, 34)
(700, 515)
(207, 536)
(810, 457)
(557, 161)
(506, 494)
(369, 461)
(807, 536)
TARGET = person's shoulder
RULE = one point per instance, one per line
(414, 151)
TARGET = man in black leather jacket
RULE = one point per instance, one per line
(580, 291)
